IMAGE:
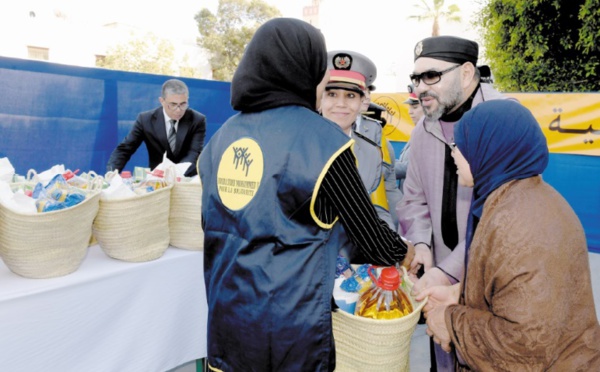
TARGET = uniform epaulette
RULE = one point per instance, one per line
(361, 136)
(371, 119)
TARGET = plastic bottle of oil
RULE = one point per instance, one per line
(384, 299)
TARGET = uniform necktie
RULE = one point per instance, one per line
(172, 136)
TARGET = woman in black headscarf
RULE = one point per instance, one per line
(275, 180)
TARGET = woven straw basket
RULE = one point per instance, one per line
(134, 229)
(49, 244)
(185, 223)
(364, 344)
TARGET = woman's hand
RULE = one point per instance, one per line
(436, 328)
(432, 277)
(439, 296)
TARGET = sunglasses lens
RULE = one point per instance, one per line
(431, 75)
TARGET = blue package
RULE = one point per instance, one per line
(363, 271)
(341, 265)
(350, 285)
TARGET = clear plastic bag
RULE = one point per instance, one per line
(56, 195)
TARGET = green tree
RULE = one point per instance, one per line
(225, 34)
(187, 70)
(542, 45)
(436, 12)
(148, 54)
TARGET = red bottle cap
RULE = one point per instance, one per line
(389, 279)
(126, 174)
(68, 175)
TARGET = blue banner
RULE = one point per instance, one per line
(56, 114)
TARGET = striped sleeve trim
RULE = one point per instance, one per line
(344, 189)
(325, 223)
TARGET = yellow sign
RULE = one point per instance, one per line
(239, 174)
(570, 121)
(399, 125)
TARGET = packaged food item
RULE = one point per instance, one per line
(57, 182)
(139, 173)
(385, 299)
(74, 180)
(342, 267)
(154, 181)
(56, 195)
(345, 300)
(127, 178)
(358, 280)
(49, 204)
(22, 186)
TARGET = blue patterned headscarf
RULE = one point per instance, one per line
(501, 141)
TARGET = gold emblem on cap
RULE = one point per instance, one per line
(419, 48)
(342, 62)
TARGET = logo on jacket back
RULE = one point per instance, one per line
(239, 174)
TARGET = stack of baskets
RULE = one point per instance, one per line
(185, 222)
(49, 244)
(363, 344)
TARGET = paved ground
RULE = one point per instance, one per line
(419, 353)
(419, 348)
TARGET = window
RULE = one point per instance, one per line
(38, 53)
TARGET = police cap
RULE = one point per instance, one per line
(412, 99)
(350, 70)
(412, 96)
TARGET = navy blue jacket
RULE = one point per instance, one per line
(269, 262)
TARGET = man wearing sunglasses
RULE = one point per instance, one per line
(433, 212)
(172, 128)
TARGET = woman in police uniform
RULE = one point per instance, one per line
(349, 74)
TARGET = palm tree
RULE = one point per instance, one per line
(436, 12)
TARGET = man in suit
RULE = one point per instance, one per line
(173, 128)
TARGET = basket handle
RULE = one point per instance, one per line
(95, 181)
(32, 176)
(110, 174)
(371, 272)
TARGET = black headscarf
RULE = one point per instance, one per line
(282, 65)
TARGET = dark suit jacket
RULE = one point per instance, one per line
(150, 127)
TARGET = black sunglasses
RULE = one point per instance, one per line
(430, 77)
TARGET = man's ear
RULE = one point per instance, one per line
(468, 74)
